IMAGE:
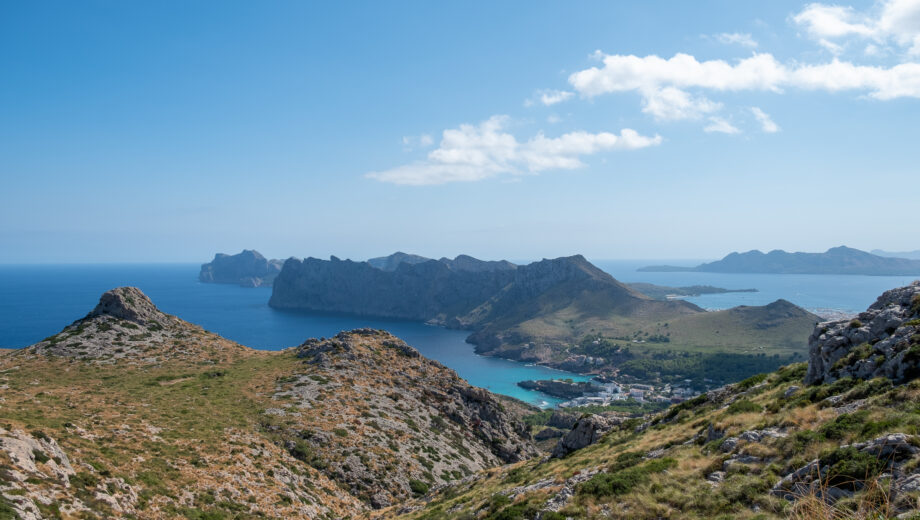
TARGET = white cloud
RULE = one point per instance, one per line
(476, 152)
(766, 122)
(671, 104)
(717, 124)
(760, 72)
(743, 39)
(549, 97)
(896, 21)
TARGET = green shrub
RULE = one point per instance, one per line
(855, 324)
(743, 406)
(418, 487)
(843, 424)
(751, 381)
(623, 481)
(849, 467)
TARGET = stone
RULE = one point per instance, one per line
(587, 430)
(885, 334)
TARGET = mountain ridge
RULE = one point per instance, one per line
(836, 260)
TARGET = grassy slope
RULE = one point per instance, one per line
(166, 429)
(678, 488)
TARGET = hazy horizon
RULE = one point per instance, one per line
(168, 132)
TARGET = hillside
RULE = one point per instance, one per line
(248, 268)
(542, 311)
(132, 413)
(835, 438)
(837, 260)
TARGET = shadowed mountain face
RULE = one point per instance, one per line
(531, 312)
(837, 260)
(248, 268)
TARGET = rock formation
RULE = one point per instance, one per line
(248, 269)
(883, 341)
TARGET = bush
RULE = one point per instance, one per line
(744, 406)
(621, 482)
(418, 487)
(843, 424)
(848, 467)
(855, 324)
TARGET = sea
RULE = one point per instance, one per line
(37, 301)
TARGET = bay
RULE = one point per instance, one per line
(38, 301)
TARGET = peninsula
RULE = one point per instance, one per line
(837, 260)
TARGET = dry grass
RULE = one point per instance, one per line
(872, 503)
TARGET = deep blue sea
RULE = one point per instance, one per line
(37, 301)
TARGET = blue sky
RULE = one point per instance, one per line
(167, 131)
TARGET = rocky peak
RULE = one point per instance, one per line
(126, 325)
(128, 303)
(882, 341)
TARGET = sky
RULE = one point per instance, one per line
(169, 131)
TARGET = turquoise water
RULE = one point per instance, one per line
(38, 301)
(821, 292)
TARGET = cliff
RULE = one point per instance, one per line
(537, 312)
(837, 260)
(248, 269)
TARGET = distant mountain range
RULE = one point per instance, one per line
(913, 255)
(533, 312)
(837, 260)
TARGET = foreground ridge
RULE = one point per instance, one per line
(132, 413)
(837, 437)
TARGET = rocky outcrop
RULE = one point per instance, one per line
(829, 476)
(587, 430)
(391, 262)
(884, 341)
(437, 427)
(248, 269)
(127, 326)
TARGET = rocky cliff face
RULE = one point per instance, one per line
(248, 269)
(884, 341)
(427, 291)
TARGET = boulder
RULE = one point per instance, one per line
(587, 430)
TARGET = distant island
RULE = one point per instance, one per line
(837, 260)
(562, 312)
(662, 292)
(248, 269)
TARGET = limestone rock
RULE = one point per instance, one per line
(881, 342)
(587, 430)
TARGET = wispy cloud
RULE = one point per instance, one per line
(476, 152)
(411, 142)
(671, 104)
(548, 97)
(743, 39)
(766, 122)
(719, 125)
